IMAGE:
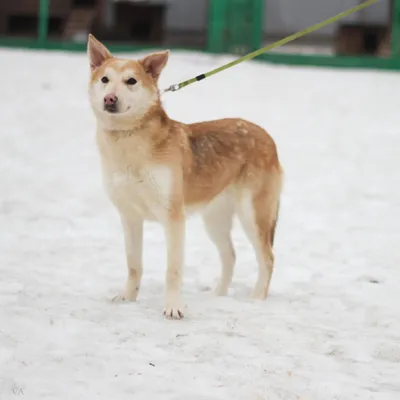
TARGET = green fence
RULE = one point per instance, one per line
(234, 26)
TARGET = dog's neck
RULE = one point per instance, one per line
(156, 119)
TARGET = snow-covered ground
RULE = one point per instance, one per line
(331, 326)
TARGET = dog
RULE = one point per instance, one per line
(155, 168)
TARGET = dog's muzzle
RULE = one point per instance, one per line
(111, 103)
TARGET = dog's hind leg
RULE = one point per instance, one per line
(218, 223)
(258, 213)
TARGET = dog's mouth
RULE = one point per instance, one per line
(111, 108)
(114, 109)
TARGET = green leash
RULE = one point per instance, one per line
(174, 88)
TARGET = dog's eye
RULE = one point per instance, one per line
(131, 81)
(104, 79)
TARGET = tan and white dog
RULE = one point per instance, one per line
(158, 169)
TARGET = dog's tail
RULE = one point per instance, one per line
(275, 223)
(275, 190)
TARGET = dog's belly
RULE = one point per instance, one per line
(147, 193)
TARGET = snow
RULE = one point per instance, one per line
(331, 326)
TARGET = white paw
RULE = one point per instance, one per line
(173, 313)
(221, 290)
(123, 297)
(173, 309)
(260, 293)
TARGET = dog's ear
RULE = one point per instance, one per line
(154, 63)
(97, 53)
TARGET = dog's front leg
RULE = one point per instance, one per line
(133, 234)
(174, 229)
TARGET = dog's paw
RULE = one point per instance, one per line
(259, 294)
(173, 310)
(173, 313)
(119, 298)
(129, 294)
(173, 306)
(221, 290)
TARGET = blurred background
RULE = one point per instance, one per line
(231, 26)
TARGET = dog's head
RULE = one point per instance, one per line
(122, 89)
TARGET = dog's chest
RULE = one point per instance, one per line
(135, 185)
(145, 191)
